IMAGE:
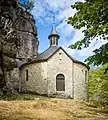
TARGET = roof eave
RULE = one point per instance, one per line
(53, 35)
(35, 61)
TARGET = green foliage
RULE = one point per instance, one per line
(100, 57)
(98, 85)
(92, 16)
(26, 4)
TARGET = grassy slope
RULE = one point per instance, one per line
(49, 109)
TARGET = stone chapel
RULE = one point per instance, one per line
(55, 73)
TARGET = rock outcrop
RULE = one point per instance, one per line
(27, 33)
(18, 42)
(8, 40)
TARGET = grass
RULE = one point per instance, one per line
(33, 107)
(49, 109)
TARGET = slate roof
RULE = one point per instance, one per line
(47, 53)
(44, 56)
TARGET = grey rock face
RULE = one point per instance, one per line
(7, 34)
(27, 33)
(18, 41)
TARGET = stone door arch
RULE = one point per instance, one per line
(60, 82)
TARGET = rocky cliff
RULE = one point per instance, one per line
(18, 42)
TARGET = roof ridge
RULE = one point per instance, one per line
(47, 49)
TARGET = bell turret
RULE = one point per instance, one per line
(53, 37)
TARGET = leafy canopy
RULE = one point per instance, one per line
(92, 16)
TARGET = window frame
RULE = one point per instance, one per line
(60, 79)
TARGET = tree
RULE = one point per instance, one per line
(92, 15)
(98, 85)
(26, 4)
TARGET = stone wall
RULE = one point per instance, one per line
(80, 83)
(60, 63)
(37, 78)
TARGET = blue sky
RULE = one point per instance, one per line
(43, 13)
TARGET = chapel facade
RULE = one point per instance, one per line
(55, 73)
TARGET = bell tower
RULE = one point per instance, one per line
(53, 37)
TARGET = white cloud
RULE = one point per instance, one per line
(44, 9)
(65, 29)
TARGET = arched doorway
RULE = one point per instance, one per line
(60, 82)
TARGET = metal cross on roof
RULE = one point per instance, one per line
(53, 20)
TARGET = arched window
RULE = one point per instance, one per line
(86, 76)
(60, 82)
(27, 75)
